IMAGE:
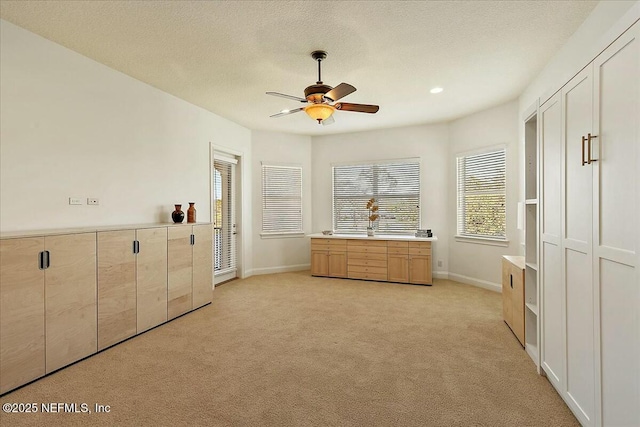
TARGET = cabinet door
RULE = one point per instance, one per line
(151, 271)
(420, 269)
(337, 264)
(552, 290)
(22, 356)
(116, 287)
(202, 265)
(507, 291)
(616, 230)
(70, 302)
(579, 316)
(319, 263)
(517, 303)
(180, 262)
(398, 268)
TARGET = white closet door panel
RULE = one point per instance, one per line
(618, 77)
(580, 326)
(553, 354)
(620, 325)
(551, 168)
(578, 106)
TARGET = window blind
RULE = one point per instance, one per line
(482, 195)
(281, 199)
(224, 220)
(394, 185)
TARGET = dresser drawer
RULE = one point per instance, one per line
(367, 269)
(419, 248)
(367, 262)
(367, 249)
(398, 251)
(368, 276)
(398, 244)
(370, 243)
(366, 256)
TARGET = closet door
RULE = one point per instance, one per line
(577, 96)
(551, 282)
(616, 231)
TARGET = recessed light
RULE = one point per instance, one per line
(436, 90)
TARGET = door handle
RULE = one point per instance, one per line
(589, 138)
(584, 162)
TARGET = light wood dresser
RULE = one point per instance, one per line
(401, 259)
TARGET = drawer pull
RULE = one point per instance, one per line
(511, 279)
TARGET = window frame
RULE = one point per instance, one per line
(281, 233)
(412, 160)
(481, 239)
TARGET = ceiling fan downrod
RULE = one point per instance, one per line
(319, 55)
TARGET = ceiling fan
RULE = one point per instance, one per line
(321, 98)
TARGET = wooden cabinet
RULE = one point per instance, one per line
(151, 278)
(420, 263)
(66, 295)
(71, 330)
(188, 245)
(403, 260)
(329, 257)
(513, 295)
(22, 352)
(117, 293)
(202, 265)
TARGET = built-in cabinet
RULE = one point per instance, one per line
(329, 257)
(66, 295)
(589, 234)
(393, 259)
(513, 295)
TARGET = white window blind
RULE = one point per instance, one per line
(224, 220)
(396, 187)
(482, 195)
(281, 199)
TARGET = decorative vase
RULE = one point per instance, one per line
(177, 215)
(191, 212)
(370, 232)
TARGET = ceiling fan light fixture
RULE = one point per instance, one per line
(319, 112)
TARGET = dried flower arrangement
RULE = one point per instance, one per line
(372, 207)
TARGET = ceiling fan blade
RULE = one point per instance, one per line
(340, 91)
(286, 112)
(360, 108)
(329, 120)
(282, 95)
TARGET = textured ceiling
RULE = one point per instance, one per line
(224, 55)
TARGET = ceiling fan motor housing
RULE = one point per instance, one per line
(315, 93)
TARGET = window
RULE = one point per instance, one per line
(281, 199)
(482, 195)
(394, 184)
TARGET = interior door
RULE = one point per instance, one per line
(224, 222)
(578, 109)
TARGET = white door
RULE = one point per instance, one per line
(551, 282)
(224, 220)
(616, 234)
(577, 257)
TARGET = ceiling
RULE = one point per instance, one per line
(224, 55)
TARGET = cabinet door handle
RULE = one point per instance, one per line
(589, 138)
(511, 279)
(193, 239)
(136, 247)
(47, 261)
(41, 260)
(584, 162)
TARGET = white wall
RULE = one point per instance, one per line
(474, 263)
(277, 254)
(71, 127)
(428, 142)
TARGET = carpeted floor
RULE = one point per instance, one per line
(293, 350)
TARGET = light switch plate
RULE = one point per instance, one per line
(93, 201)
(75, 201)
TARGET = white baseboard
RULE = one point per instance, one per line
(475, 282)
(280, 269)
(440, 274)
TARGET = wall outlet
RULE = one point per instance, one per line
(439, 263)
(75, 201)
(92, 201)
